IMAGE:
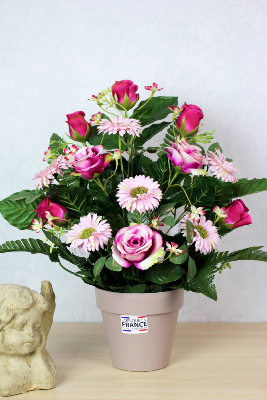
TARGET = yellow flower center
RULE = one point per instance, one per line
(86, 233)
(202, 231)
(138, 190)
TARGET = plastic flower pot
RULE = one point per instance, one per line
(140, 327)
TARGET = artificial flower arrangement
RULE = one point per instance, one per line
(130, 224)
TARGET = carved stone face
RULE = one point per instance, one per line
(22, 335)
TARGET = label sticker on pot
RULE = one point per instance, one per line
(134, 324)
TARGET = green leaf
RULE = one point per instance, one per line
(113, 265)
(215, 146)
(28, 195)
(165, 209)
(141, 288)
(110, 142)
(161, 169)
(17, 212)
(159, 107)
(179, 259)
(149, 132)
(99, 265)
(192, 269)
(33, 246)
(55, 142)
(190, 231)
(142, 165)
(143, 219)
(245, 187)
(169, 221)
(142, 115)
(202, 195)
(164, 273)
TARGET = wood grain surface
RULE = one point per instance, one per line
(211, 361)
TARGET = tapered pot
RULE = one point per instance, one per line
(140, 327)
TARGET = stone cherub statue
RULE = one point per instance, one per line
(25, 321)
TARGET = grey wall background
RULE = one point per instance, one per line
(56, 53)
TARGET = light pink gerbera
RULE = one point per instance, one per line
(221, 168)
(140, 193)
(120, 125)
(206, 234)
(46, 176)
(89, 234)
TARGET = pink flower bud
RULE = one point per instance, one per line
(124, 93)
(237, 214)
(55, 210)
(79, 129)
(192, 115)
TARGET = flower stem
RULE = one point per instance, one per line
(107, 111)
(97, 181)
(177, 184)
(110, 177)
(121, 157)
(152, 94)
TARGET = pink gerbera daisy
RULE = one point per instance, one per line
(140, 193)
(206, 234)
(89, 234)
(221, 168)
(46, 176)
(120, 125)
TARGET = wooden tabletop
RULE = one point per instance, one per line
(211, 361)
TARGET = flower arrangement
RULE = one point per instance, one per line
(127, 223)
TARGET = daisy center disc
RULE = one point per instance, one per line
(138, 190)
(86, 233)
(202, 231)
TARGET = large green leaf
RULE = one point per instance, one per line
(222, 191)
(113, 265)
(165, 273)
(142, 115)
(159, 107)
(149, 132)
(165, 209)
(245, 187)
(143, 165)
(17, 212)
(141, 288)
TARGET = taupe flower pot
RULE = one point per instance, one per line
(144, 343)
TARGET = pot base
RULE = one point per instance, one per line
(141, 352)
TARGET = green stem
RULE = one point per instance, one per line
(107, 111)
(152, 94)
(110, 177)
(138, 218)
(97, 181)
(102, 139)
(160, 262)
(177, 184)
(71, 272)
(121, 157)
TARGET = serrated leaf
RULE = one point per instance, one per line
(143, 219)
(98, 266)
(215, 146)
(149, 132)
(141, 288)
(190, 231)
(181, 258)
(161, 169)
(17, 212)
(164, 273)
(170, 221)
(202, 195)
(245, 187)
(31, 245)
(165, 209)
(142, 115)
(192, 269)
(159, 107)
(113, 265)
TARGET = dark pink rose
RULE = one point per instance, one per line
(137, 245)
(192, 115)
(53, 213)
(79, 129)
(88, 162)
(237, 214)
(124, 92)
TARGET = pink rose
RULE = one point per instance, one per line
(192, 116)
(124, 93)
(185, 155)
(237, 214)
(48, 210)
(79, 129)
(137, 245)
(88, 162)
